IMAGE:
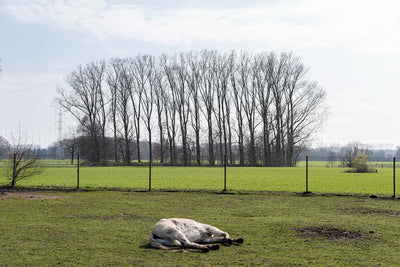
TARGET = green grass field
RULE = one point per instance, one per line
(104, 228)
(321, 179)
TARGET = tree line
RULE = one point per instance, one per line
(196, 108)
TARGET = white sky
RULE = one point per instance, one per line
(351, 47)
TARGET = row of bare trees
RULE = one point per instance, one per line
(252, 108)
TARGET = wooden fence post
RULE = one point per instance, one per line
(225, 173)
(150, 175)
(394, 177)
(77, 177)
(307, 174)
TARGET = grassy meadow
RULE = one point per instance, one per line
(321, 178)
(99, 228)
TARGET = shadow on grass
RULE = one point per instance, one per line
(146, 246)
(177, 250)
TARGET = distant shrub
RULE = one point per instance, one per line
(359, 164)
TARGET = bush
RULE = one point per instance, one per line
(359, 164)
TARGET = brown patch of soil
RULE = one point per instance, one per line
(27, 195)
(366, 210)
(331, 233)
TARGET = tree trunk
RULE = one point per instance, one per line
(14, 174)
(210, 141)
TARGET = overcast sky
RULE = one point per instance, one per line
(351, 47)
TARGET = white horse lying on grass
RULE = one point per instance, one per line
(181, 234)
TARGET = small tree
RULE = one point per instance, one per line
(23, 162)
(360, 164)
(70, 144)
(331, 159)
(350, 151)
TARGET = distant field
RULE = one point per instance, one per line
(113, 228)
(321, 179)
(374, 164)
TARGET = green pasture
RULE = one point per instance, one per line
(110, 228)
(321, 179)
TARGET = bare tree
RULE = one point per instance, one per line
(182, 96)
(160, 102)
(277, 81)
(23, 162)
(87, 103)
(332, 158)
(229, 126)
(139, 74)
(264, 95)
(170, 119)
(121, 83)
(147, 99)
(70, 145)
(238, 95)
(246, 80)
(222, 67)
(304, 107)
(170, 105)
(112, 80)
(351, 150)
(225, 82)
(219, 110)
(207, 94)
(194, 79)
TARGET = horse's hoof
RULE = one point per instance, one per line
(239, 240)
(214, 247)
(204, 250)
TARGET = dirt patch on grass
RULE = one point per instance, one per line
(331, 233)
(367, 210)
(28, 195)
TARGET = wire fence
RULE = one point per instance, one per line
(308, 176)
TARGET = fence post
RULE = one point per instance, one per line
(394, 177)
(307, 174)
(77, 171)
(150, 175)
(224, 173)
